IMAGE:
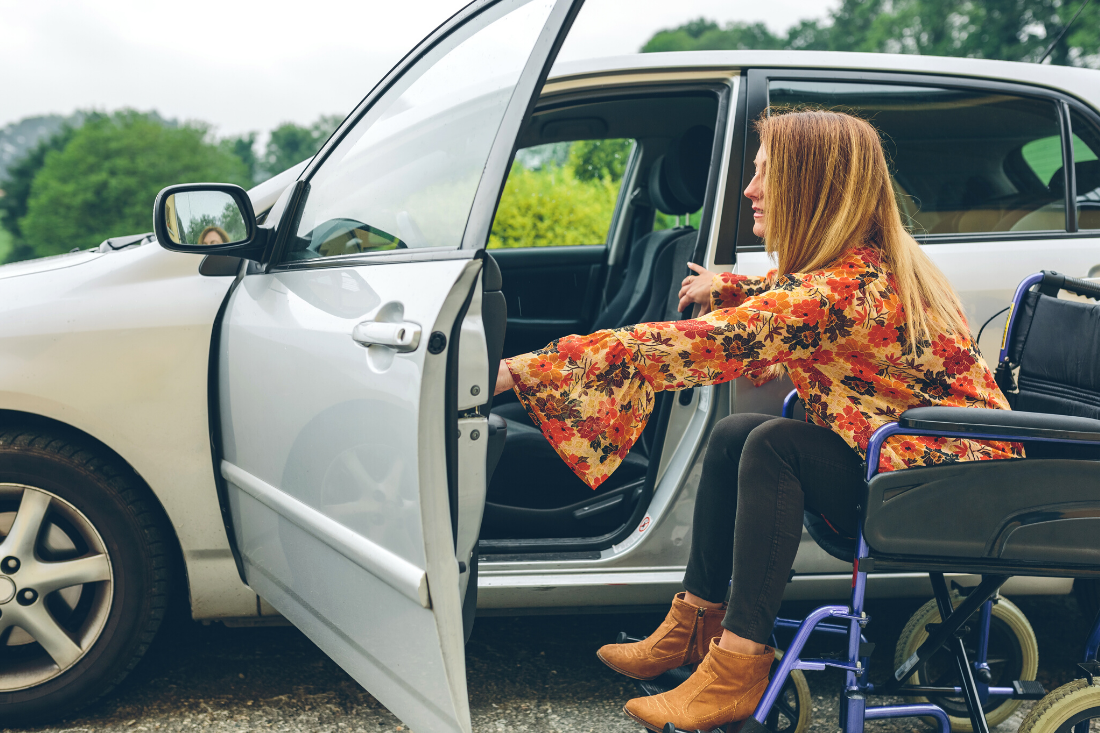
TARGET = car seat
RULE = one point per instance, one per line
(533, 494)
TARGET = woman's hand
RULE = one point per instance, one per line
(504, 379)
(696, 289)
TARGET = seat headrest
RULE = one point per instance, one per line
(1087, 173)
(678, 179)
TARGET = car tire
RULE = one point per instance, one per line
(85, 572)
(1012, 641)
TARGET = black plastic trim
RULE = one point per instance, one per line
(213, 410)
(725, 252)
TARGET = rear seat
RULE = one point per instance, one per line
(533, 493)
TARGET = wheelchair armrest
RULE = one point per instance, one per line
(1001, 423)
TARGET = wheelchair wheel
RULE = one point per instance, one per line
(1013, 655)
(1062, 709)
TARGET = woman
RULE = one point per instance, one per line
(213, 235)
(866, 327)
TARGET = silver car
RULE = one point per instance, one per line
(299, 424)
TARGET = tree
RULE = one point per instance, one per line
(17, 184)
(597, 159)
(1011, 30)
(244, 147)
(702, 34)
(290, 144)
(103, 182)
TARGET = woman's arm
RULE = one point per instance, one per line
(592, 395)
(729, 290)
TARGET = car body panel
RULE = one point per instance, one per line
(118, 347)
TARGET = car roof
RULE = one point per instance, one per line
(1074, 81)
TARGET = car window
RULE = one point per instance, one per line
(1086, 150)
(963, 160)
(561, 194)
(406, 175)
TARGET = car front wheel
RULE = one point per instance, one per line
(84, 573)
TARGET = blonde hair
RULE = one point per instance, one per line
(828, 190)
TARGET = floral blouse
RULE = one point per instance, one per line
(839, 332)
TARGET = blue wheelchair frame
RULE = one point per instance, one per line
(974, 674)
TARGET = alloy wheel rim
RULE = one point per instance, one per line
(57, 566)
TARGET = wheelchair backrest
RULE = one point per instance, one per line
(1055, 345)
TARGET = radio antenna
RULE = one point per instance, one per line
(1055, 43)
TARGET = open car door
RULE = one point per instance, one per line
(355, 365)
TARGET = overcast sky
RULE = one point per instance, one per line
(250, 65)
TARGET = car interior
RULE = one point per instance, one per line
(534, 500)
(965, 160)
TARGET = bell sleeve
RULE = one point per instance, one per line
(592, 395)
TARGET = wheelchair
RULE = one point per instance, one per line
(1037, 516)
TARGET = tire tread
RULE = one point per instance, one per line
(112, 472)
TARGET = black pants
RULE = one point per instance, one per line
(759, 473)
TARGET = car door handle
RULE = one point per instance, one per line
(402, 337)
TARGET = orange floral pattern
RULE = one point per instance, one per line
(840, 332)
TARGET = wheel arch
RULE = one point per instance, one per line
(208, 574)
(22, 419)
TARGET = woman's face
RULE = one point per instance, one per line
(755, 193)
(215, 238)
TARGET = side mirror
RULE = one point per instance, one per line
(207, 218)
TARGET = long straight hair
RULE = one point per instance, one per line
(828, 190)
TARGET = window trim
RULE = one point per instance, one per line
(758, 79)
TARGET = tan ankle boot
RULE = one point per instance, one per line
(683, 638)
(725, 688)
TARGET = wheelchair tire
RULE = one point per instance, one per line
(793, 709)
(1012, 644)
(1062, 709)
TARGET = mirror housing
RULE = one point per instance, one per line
(169, 227)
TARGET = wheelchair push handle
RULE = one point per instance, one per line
(1055, 281)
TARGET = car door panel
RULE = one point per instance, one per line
(354, 370)
(324, 474)
(551, 292)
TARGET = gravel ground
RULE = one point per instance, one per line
(525, 674)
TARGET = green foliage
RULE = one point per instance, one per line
(17, 184)
(6, 243)
(593, 160)
(103, 182)
(1011, 30)
(553, 204)
(702, 34)
(244, 148)
(290, 144)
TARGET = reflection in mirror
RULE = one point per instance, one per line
(204, 217)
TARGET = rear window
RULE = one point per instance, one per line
(964, 161)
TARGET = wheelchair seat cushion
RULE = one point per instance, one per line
(828, 539)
